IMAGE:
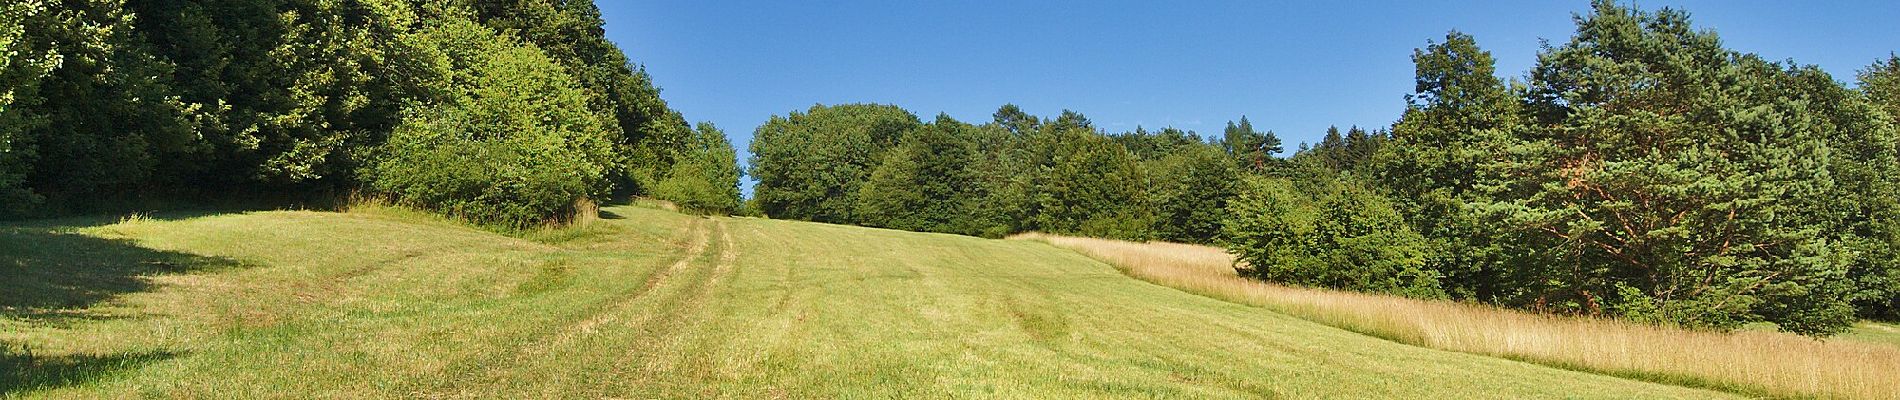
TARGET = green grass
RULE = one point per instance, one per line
(1876, 332)
(652, 304)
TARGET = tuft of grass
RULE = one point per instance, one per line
(134, 218)
(657, 204)
(1747, 362)
(582, 213)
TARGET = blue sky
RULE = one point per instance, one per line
(1291, 67)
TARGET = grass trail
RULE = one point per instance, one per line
(653, 304)
(1767, 363)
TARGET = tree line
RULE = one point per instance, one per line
(1640, 171)
(879, 165)
(506, 113)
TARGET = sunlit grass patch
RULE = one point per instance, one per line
(1753, 362)
(382, 302)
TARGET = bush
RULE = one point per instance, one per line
(487, 182)
(516, 146)
(705, 179)
(1335, 234)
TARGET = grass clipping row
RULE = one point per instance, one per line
(1757, 363)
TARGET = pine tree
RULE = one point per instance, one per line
(1015, 120)
(1252, 150)
(1881, 83)
(1874, 176)
(1459, 112)
(1663, 180)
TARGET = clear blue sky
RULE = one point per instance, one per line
(1291, 67)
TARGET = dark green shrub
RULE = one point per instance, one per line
(1191, 191)
(1095, 188)
(924, 184)
(1335, 234)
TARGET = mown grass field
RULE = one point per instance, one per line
(1877, 332)
(651, 304)
(1863, 364)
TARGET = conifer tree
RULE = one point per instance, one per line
(1458, 113)
(1662, 179)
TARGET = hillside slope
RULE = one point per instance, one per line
(649, 303)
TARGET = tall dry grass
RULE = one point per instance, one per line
(1749, 362)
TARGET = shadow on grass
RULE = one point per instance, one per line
(49, 273)
(21, 371)
(52, 277)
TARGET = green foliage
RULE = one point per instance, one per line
(288, 88)
(810, 165)
(1093, 188)
(1012, 118)
(1017, 173)
(705, 179)
(107, 120)
(1459, 113)
(924, 184)
(1150, 146)
(1874, 178)
(1659, 163)
(1250, 149)
(1003, 168)
(1191, 190)
(649, 135)
(104, 101)
(22, 64)
(1349, 151)
(1327, 233)
(1644, 172)
(513, 144)
(1881, 83)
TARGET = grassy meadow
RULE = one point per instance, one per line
(1864, 364)
(1875, 332)
(646, 303)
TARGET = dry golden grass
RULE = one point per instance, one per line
(1750, 362)
(583, 212)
